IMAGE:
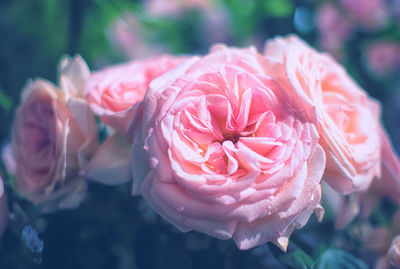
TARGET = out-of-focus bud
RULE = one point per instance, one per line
(3, 208)
(126, 35)
(333, 29)
(394, 252)
(383, 57)
(371, 14)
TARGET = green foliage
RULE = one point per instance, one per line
(297, 259)
(94, 43)
(180, 34)
(281, 8)
(6, 102)
(243, 18)
(334, 258)
(40, 20)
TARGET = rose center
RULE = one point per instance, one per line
(234, 138)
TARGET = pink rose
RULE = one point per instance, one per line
(114, 92)
(349, 120)
(54, 135)
(3, 208)
(229, 151)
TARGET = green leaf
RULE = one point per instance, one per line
(334, 258)
(281, 8)
(297, 259)
(5, 101)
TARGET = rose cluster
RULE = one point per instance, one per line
(234, 144)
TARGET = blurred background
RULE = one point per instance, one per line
(111, 229)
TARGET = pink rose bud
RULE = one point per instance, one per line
(394, 252)
(383, 57)
(126, 34)
(114, 92)
(222, 148)
(371, 14)
(54, 135)
(353, 144)
(176, 7)
(389, 183)
(333, 28)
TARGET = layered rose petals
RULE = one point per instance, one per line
(114, 92)
(54, 136)
(230, 152)
(349, 121)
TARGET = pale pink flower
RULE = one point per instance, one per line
(222, 148)
(114, 92)
(54, 135)
(348, 119)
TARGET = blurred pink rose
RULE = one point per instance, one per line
(333, 29)
(349, 121)
(229, 151)
(345, 207)
(384, 243)
(175, 7)
(126, 34)
(3, 208)
(113, 93)
(383, 57)
(54, 134)
(371, 14)
(216, 22)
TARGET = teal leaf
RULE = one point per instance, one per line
(5, 102)
(334, 258)
(282, 8)
(297, 259)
